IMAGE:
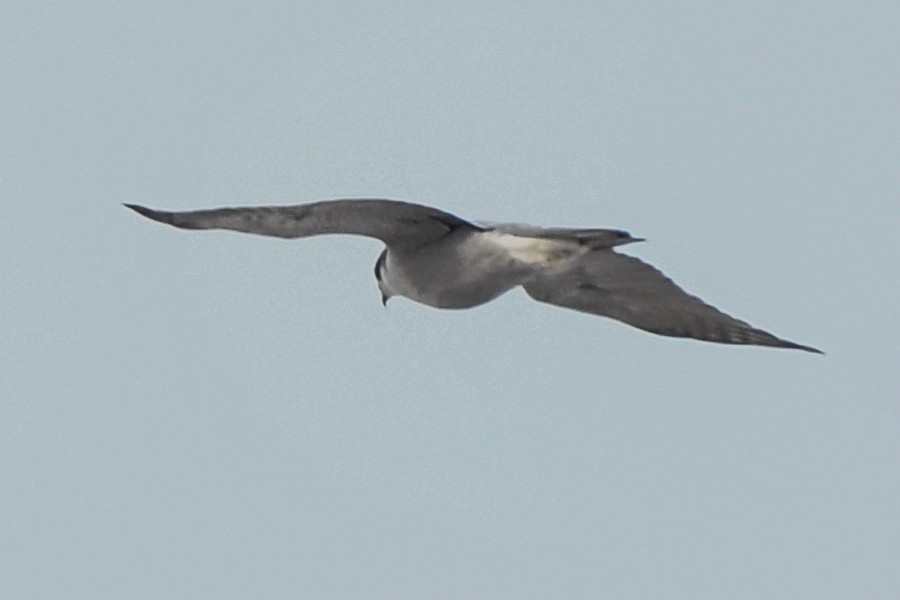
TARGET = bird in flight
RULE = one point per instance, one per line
(441, 260)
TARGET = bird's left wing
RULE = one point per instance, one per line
(392, 221)
(604, 282)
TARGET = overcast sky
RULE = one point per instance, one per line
(215, 415)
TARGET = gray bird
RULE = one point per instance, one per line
(444, 261)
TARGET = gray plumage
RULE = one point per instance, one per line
(444, 261)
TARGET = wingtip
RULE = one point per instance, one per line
(156, 215)
(795, 346)
(141, 210)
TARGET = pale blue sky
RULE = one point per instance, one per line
(189, 415)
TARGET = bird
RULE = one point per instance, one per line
(441, 260)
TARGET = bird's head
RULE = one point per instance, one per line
(383, 287)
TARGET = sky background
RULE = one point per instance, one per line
(215, 415)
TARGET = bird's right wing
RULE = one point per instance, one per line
(604, 282)
(392, 221)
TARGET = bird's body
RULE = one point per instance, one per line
(440, 260)
(476, 266)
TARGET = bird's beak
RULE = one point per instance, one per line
(384, 299)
